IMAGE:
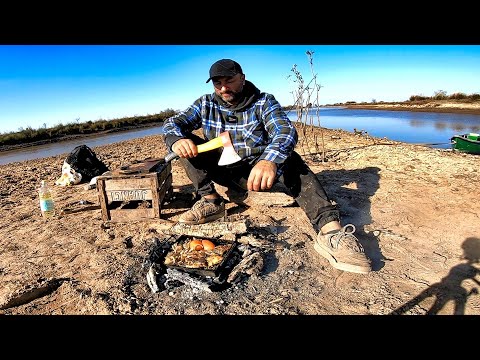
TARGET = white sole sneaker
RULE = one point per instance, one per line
(340, 265)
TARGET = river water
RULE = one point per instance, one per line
(434, 129)
(429, 128)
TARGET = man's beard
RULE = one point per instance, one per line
(231, 96)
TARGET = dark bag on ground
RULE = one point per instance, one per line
(83, 160)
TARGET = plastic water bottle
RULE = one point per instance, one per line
(46, 201)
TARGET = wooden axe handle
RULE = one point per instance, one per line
(209, 145)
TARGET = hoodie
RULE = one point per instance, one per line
(258, 126)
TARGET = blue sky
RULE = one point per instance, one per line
(62, 84)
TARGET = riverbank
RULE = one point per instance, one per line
(397, 196)
(76, 136)
(438, 106)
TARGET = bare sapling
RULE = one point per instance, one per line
(303, 95)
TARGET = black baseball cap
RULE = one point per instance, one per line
(224, 67)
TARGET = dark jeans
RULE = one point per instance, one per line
(301, 182)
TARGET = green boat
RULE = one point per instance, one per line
(469, 143)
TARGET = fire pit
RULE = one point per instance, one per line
(201, 262)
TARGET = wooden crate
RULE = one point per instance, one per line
(135, 192)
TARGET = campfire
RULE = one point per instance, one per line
(206, 263)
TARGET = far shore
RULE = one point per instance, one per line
(438, 109)
(76, 136)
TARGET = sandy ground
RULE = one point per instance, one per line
(414, 209)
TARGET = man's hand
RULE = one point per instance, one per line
(262, 176)
(185, 148)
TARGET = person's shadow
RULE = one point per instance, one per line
(351, 190)
(450, 287)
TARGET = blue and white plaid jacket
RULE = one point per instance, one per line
(258, 126)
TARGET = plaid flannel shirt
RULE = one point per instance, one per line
(262, 128)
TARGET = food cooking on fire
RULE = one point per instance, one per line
(196, 253)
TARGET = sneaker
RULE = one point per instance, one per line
(202, 212)
(343, 251)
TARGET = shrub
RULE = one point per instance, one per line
(457, 96)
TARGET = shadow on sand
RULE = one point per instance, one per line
(351, 190)
(450, 287)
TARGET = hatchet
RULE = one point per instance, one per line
(229, 155)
